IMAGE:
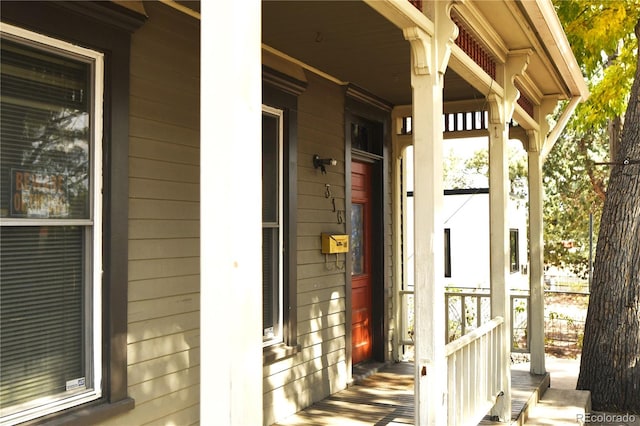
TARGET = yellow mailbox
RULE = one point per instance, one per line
(335, 243)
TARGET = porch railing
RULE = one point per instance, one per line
(467, 309)
(474, 373)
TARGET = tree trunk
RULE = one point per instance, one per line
(610, 366)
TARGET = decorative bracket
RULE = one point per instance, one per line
(432, 52)
(534, 142)
(547, 107)
(446, 33)
(401, 145)
(517, 63)
(420, 49)
(496, 112)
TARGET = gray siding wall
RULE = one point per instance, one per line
(319, 369)
(164, 282)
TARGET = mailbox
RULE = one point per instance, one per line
(335, 243)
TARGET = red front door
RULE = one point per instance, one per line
(361, 261)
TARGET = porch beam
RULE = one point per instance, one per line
(430, 55)
(480, 133)
(472, 73)
(403, 14)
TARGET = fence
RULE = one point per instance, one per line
(468, 309)
(563, 335)
(563, 283)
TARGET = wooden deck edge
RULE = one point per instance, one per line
(533, 400)
(361, 372)
(522, 415)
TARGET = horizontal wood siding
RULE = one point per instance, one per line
(164, 282)
(319, 369)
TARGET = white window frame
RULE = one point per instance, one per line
(93, 231)
(278, 332)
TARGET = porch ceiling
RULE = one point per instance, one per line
(351, 42)
(191, 4)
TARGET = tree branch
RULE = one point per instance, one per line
(596, 183)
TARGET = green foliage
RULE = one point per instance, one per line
(479, 164)
(460, 173)
(456, 176)
(570, 179)
(602, 39)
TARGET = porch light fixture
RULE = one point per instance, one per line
(322, 162)
(627, 161)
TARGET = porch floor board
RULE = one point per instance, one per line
(385, 398)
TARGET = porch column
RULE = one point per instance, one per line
(500, 113)
(536, 255)
(230, 245)
(499, 246)
(430, 55)
(400, 141)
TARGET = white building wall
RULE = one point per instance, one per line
(467, 217)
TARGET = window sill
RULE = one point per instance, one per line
(274, 353)
(88, 415)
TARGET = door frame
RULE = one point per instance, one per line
(361, 106)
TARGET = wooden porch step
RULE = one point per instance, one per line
(526, 391)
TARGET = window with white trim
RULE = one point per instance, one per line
(272, 232)
(279, 195)
(50, 225)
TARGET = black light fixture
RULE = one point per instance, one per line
(321, 162)
(627, 161)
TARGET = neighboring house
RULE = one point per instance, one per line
(159, 267)
(466, 230)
